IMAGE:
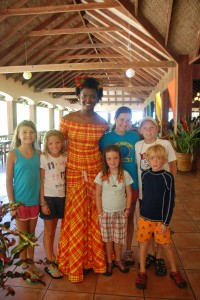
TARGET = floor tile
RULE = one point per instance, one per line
(119, 284)
(22, 293)
(165, 288)
(63, 295)
(194, 279)
(87, 286)
(115, 297)
(186, 240)
(183, 226)
(190, 258)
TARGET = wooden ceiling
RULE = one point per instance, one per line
(59, 39)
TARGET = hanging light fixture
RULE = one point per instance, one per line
(27, 75)
(130, 72)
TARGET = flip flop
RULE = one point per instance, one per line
(53, 271)
(39, 273)
(34, 278)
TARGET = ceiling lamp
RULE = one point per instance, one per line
(27, 75)
(130, 73)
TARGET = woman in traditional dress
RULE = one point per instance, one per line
(80, 245)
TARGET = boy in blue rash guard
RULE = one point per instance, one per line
(155, 213)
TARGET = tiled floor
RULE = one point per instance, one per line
(186, 240)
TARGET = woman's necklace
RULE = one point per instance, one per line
(114, 180)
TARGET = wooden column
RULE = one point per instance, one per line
(165, 110)
(184, 87)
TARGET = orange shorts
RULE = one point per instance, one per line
(146, 228)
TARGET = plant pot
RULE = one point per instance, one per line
(184, 161)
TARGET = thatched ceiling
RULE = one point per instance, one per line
(59, 39)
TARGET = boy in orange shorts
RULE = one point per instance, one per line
(156, 212)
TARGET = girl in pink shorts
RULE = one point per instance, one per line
(23, 185)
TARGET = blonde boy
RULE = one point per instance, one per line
(156, 212)
(149, 130)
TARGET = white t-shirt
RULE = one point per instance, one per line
(113, 192)
(54, 180)
(141, 148)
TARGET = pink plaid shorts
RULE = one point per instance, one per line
(113, 227)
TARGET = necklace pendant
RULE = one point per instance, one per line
(114, 185)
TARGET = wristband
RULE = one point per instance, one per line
(43, 204)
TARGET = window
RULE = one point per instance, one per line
(103, 114)
(42, 114)
(56, 114)
(22, 112)
(3, 118)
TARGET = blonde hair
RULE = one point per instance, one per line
(16, 142)
(156, 150)
(50, 133)
(148, 119)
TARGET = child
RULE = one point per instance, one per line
(156, 212)
(149, 130)
(52, 194)
(125, 139)
(113, 201)
(23, 185)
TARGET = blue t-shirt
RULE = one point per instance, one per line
(126, 143)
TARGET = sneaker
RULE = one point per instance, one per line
(178, 279)
(141, 282)
(129, 258)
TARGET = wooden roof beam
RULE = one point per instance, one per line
(87, 66)
(130, 9)
(57, 9)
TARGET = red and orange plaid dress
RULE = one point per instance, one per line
(80, 244)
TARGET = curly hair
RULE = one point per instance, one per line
(50, 133)
(105, 168)
(91, 83)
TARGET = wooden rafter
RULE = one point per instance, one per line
(169, 14)
(87, 66)
(57, 9)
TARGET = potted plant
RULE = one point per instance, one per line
(185, 142)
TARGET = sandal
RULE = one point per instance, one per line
(129, 258)
(150, 260)
(178, 279)
(141, 282)
(121, 266)
(53, 271)
(160, 268)
(109, 268)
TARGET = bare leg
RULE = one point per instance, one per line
(130, 229)
(109, 251)
(171, 256)
(118, 251)
(49, 236)
(143, 253)
(22, 226)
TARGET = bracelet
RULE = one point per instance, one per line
(127, 209)
(43, 204)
